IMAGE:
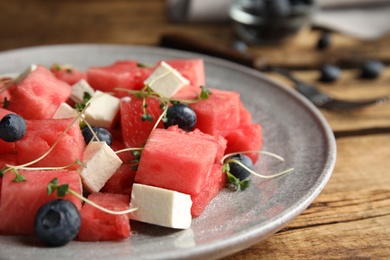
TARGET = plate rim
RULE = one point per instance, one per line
(230, 245)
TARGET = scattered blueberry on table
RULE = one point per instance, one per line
(329, 73)
(371, 69)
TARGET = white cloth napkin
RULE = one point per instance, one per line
(365, 19)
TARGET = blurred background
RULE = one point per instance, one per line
(40, 22)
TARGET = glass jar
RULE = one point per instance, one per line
(270, 21)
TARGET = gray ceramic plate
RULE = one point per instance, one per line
(292, 127)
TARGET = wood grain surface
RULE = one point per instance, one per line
(350, 219)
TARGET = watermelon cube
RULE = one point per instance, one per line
(176, 161)
(97, 225)
(41, 135)
(121, 74)
(214, 184)
(247, 137)
(67, 73)
(121, 181)
(219, 114)
(134, 130)
(39, 95)
(20, 201)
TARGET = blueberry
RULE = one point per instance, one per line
(371, 69)
(181, 115)
(237, 170)
(239, 46)
(329, 73)
(323, 41)
(103, 134)
(12, 127)
(57, 222)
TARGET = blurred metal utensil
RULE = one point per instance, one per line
(323, 100)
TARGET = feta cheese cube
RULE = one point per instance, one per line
(103, 109)
(160, 206)
(65, 111)
(79, 89)
(100, 162)
(165, 80)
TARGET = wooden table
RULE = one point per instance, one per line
(350, 219)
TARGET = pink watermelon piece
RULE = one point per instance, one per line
(122, 180)
(20, 201)
(39, 95)
(245, 138)
(191, 69)
(187, 93)
(245, 115)
(121, 74)
(7, 159)
(42, 134)
(176, 161)
(219, 114)
(214, 185)
(221, 141)
(134, 130)
(97, 225)
(68, 75)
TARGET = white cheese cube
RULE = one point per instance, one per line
(103, 109)
(161, 206)
(25, 73)
(65, 111)
(165, 80)
(100, 162)
(79, 89)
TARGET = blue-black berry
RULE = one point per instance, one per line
(103, 134)
(57, 223)
(237, 170)
(181, 115)
(12, 128)
(371, 69)
(324, 41)
(329, 73)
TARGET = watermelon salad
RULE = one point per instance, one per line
(125, 141)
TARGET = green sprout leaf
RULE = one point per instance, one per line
(18, 177)
(204, 94)
(5, 102)
(52, 186)
(62, 190)
(235, 183)
(82, 105)
(2, 171)
(147, 117)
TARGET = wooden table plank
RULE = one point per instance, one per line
(350, 219)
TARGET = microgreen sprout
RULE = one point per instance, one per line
(147, 91)
(238, 184)
(64, 189)
(82, 105)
